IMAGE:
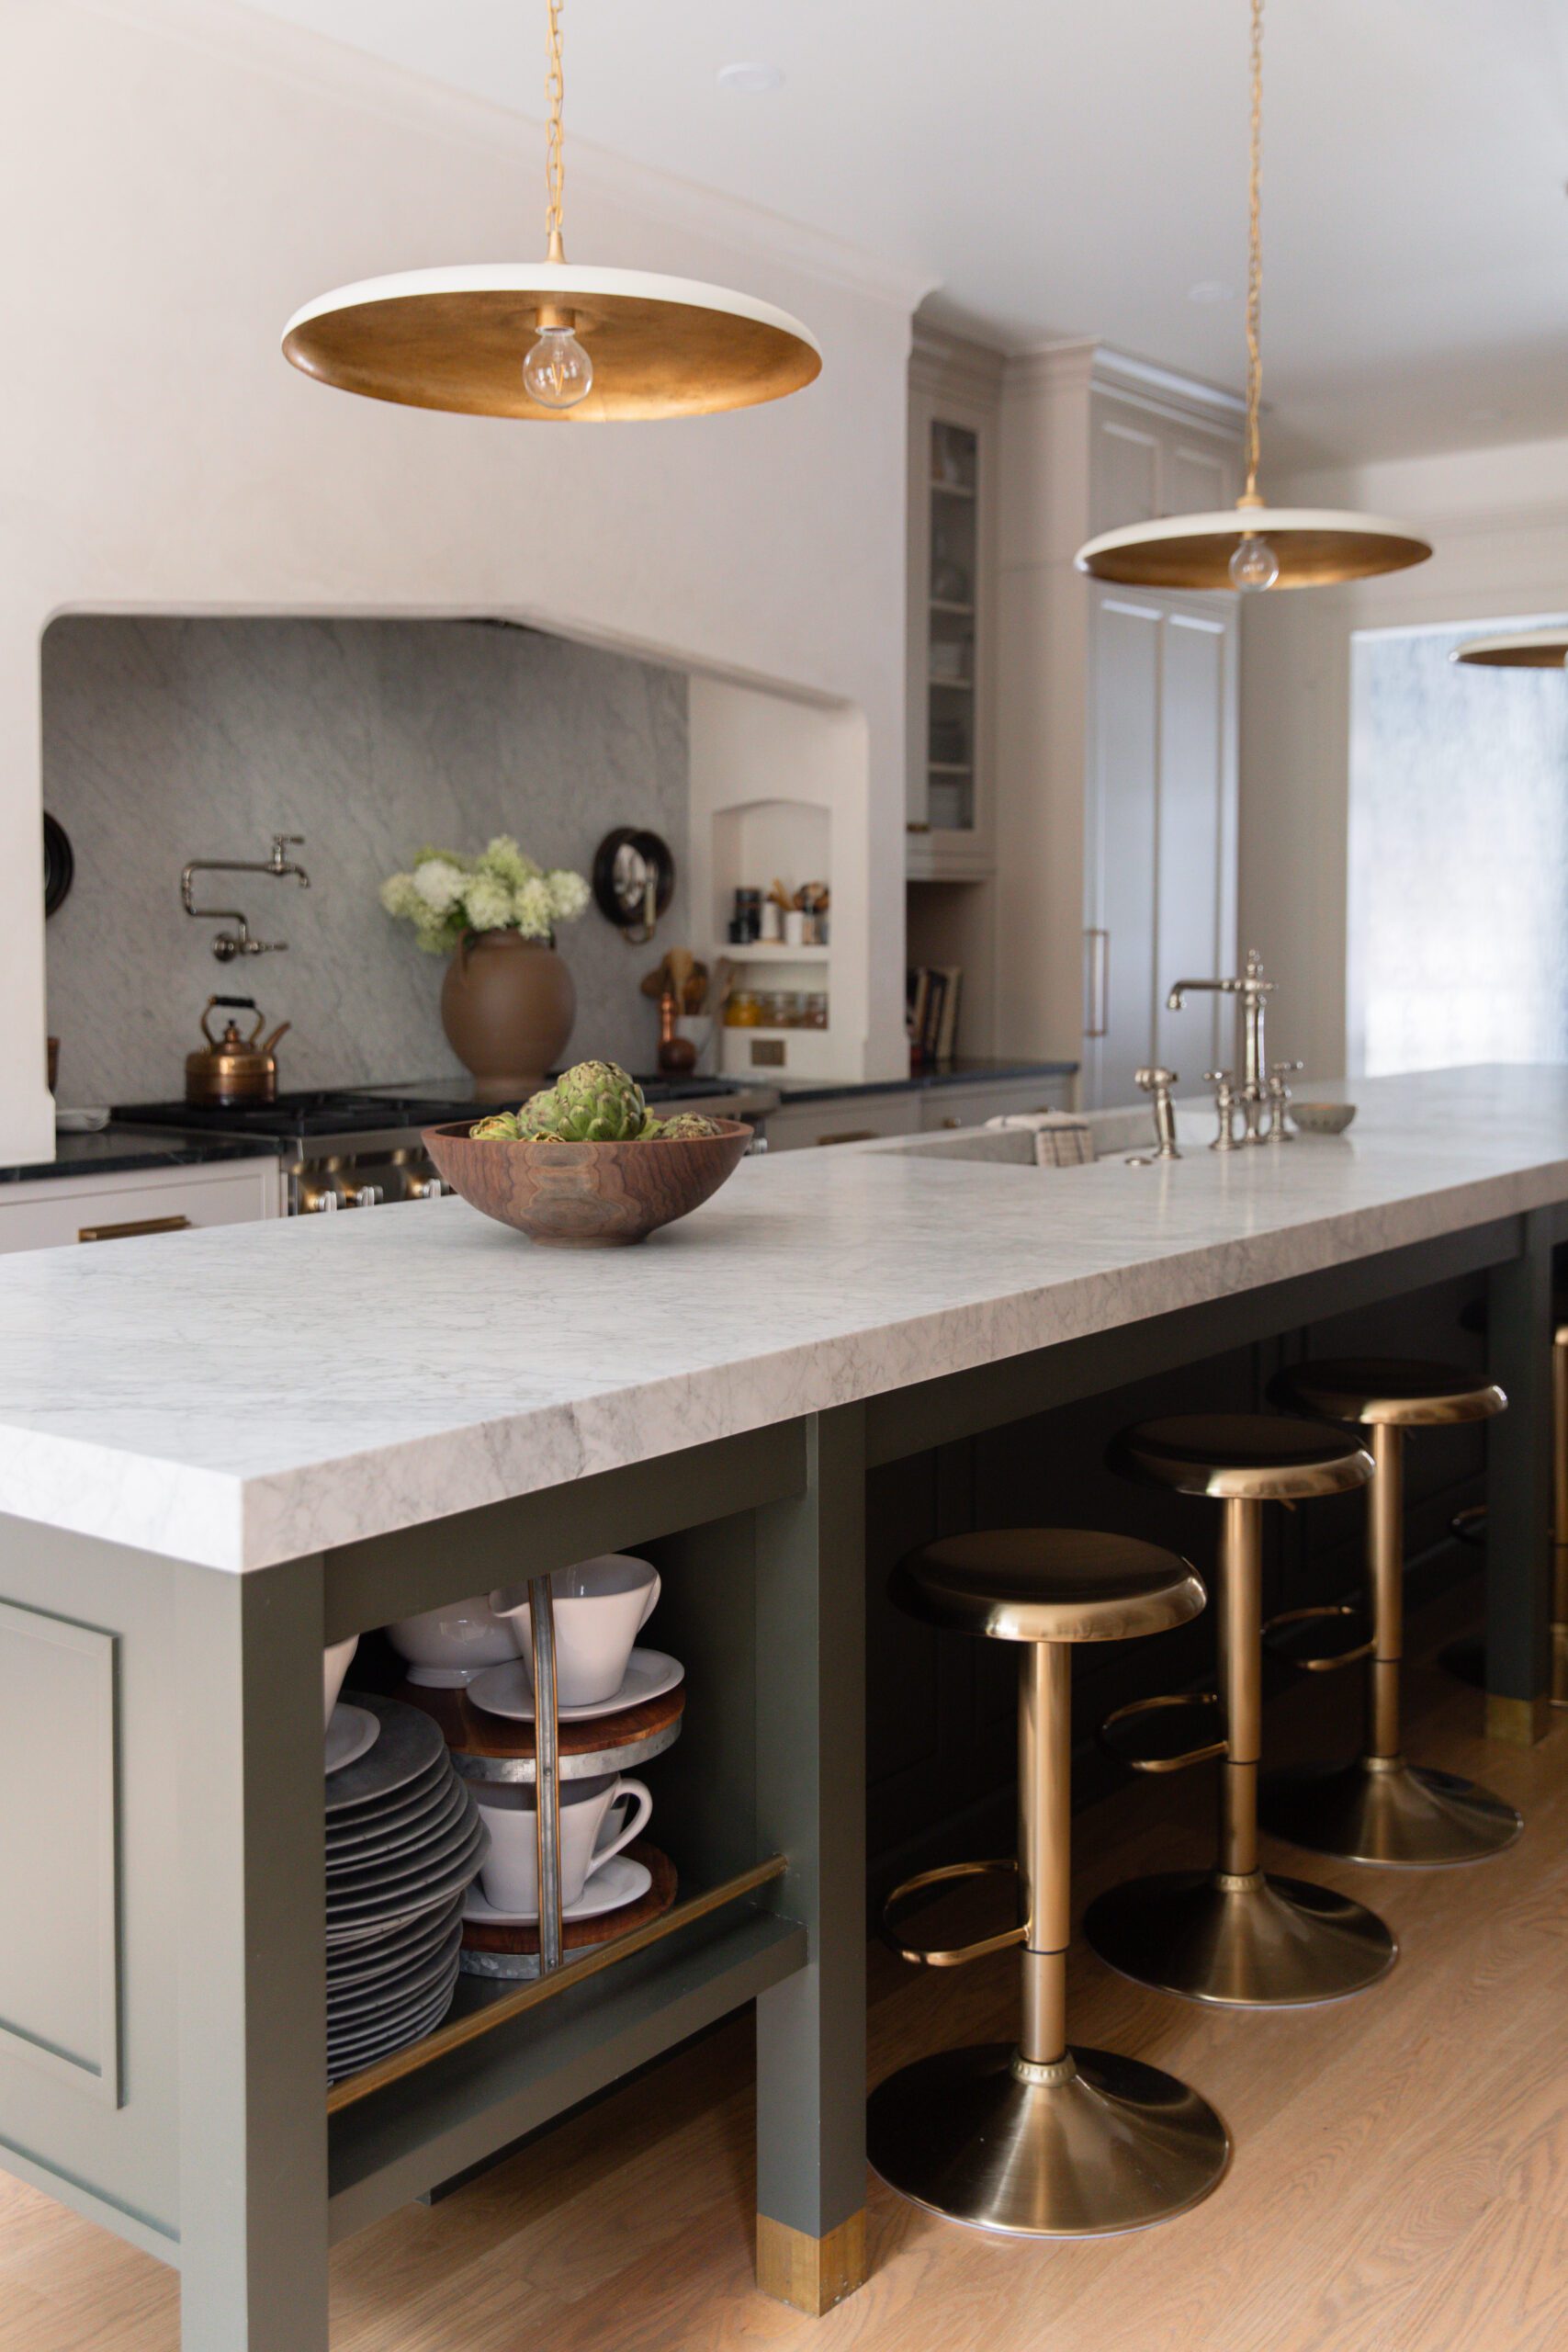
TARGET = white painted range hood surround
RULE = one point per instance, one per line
(182, 170)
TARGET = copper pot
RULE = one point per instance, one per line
(234, 1068)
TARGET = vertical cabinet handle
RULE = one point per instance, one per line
(1096, 983)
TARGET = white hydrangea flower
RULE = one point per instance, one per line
(536, 915)
(568, 893)
(439, 883)
(488, 903)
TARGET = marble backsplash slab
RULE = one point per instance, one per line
(167, 739)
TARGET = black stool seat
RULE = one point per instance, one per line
(1243, 1457)
(1048, 1584)
(1390, 1390)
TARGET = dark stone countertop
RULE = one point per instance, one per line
(119, 1150)
(974, 1070)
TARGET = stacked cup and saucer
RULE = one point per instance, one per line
(618, 1703)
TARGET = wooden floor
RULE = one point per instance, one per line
(1400, 2181)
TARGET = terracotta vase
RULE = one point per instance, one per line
(507, 1006)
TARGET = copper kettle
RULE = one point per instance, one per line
(232, 1069)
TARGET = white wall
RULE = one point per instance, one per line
(176, 177)
(1499, 522)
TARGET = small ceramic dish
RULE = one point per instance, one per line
(1322, 1118)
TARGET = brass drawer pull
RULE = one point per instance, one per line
(1178, 1762)
(132, 1224)
(923, 1956)
(1334, 1659)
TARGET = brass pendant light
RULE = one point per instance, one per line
(548, 341)
(1254, 545)
(1524, 649)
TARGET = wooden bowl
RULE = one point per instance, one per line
(586, 1196)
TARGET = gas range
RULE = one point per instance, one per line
(347, 1148)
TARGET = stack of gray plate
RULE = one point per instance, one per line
(405, 1844)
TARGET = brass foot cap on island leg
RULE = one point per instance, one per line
(810, 2273)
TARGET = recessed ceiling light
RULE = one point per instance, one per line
(1210, 290)
(750, 79)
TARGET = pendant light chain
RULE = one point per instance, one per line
(1254, 265)
(554, 167)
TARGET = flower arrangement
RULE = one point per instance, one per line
(445, 895)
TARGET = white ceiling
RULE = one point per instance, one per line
(1066, 167)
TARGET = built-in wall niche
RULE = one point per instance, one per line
(951, 926)
(779, 1015)
(779, 792)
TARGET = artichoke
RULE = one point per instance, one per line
(652, 1129)
(539, 1119)
(501, 1127)
(686, 1125)
(595, 1103)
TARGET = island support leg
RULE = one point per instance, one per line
(1519, 1550)
(252, 1991)
(811, 1806)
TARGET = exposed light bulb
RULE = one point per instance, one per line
(1254, 563)
(558, 372)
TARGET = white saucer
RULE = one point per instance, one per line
(506, 1690)
(351, 1733)
(619, 1882)
(443, 1678)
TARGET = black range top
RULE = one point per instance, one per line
(338, 1111)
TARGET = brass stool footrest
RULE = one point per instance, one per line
(1176, 1760)
(923, 1956)
(1340, 1610)
(1468, 1526)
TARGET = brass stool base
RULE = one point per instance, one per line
(1115, 2146)
(1245, 1943)
(1394, 1814)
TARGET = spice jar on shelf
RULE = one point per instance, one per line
(744, 1010)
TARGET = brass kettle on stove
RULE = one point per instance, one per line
(234, 1068)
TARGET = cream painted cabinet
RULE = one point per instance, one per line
(1144, 464)
(54, 1211)
(954, 411)
(1159, 832)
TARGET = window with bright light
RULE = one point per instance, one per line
(1458, 933)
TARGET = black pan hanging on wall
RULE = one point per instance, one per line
(58, 865)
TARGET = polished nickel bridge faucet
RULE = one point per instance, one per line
(1260, 1124)
(227, 945)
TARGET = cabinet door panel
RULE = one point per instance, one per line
(1193, 899)
(1120, 826)
(1126, 484)
(1198, 477)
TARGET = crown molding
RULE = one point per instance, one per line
(413, 103)
(943, 361)
(1167, 388)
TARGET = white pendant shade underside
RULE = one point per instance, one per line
(1525, 648)
(457, 339)
(1315, 545)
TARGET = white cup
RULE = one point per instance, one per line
(336, 1663)
(510, 1874)
(772, 920)
(795, 927)
(447, 1647)
(600, 1606)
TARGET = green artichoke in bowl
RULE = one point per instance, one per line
(686, 1124)
(592, 1102)
(501, 1126)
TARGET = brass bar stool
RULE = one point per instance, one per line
(1381, 1809)
(1041, 2140)
(1235, 1935)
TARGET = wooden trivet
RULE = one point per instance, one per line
(471, 1731)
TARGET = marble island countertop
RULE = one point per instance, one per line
(242, 1395)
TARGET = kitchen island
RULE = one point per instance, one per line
(219, 1450)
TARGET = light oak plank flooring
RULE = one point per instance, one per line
(1400, 2181)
